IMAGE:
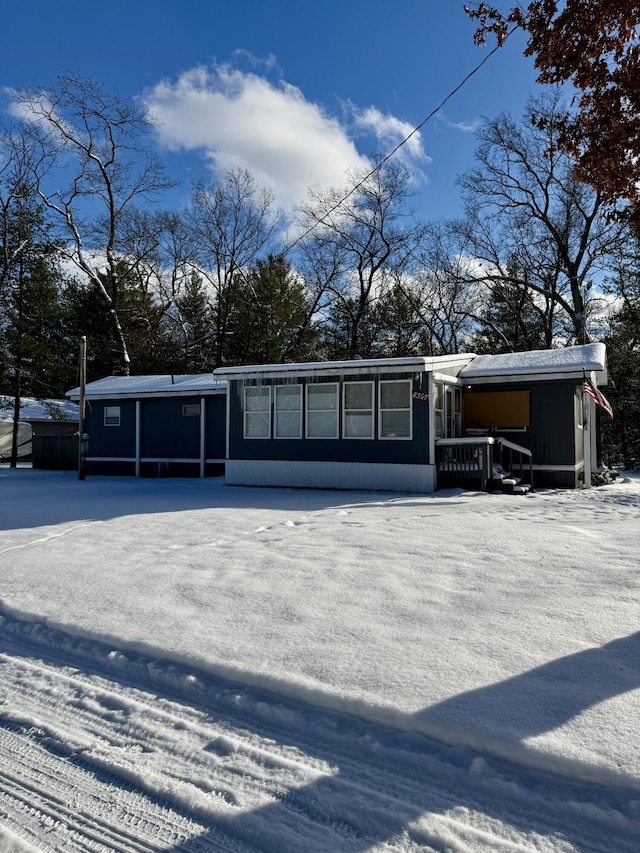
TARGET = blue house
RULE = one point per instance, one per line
(414, 424)
(150, 426)
(396, 424)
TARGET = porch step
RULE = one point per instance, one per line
(522, 489)
(511, 485)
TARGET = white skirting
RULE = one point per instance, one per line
(331, 475)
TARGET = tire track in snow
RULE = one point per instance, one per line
(252, 771)
(53, 801)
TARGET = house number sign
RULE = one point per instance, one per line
(418, 395)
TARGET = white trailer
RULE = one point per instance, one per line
(6, 439)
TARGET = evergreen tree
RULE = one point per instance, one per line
(270, 321)
(34, 348)
(151, 346)
(621, 436)
(194, 326)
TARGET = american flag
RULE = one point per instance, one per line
(598, 396)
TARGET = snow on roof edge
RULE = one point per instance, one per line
(420, 363)
(587, 357)
(160, 384)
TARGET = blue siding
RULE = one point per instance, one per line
(111, 440)
(166, 432)
(552, 437)
(166, 435)
(401, 451)
(216, 426)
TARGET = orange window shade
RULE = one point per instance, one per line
(496, 409)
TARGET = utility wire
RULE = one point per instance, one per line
(385, 159)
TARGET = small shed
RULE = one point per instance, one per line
(365, 424)
(155, 426)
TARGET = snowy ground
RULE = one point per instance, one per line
(193, 667)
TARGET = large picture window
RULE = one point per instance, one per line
(257, 412)
(395, 409)
(288, 411)
(358, 410)
(322, 410)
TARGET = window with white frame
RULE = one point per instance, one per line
(112, 416)
(288, 411)
(448, 410)
(438, 408)
(322, 410)
(257, 411)
(395, 409)
(358, 410)
(455, 416)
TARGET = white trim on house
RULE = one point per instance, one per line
(366, 476)
(351, 414)
(151, 459)
(280, 414)
(248, 432)
(332, 413)
(203, 436)
(345, 368)
(109, 415)
(138, 435)
(404, 410)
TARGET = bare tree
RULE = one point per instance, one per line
(523, 204)
(160, 252)
(233, 221)
(357, 240)
(95, 163)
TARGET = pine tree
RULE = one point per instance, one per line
(270, 322)
(34, 347)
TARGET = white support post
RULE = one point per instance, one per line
(586, 435)
(203, 442)
(138, 436)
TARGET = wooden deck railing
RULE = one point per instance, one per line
(459, 460)
(462, 459)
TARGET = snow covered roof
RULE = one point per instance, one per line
(160, 385)
(32, 409)
(419, 364)
(539, 364)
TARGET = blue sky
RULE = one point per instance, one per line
(295, 92)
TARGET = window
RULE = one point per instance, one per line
(257, 412)
(438, 408)
(288, 411)
(322, 410)
(395, 409)
(448, 410)
(191, 409)
(358, 409)
(112, 415)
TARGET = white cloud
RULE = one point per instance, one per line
(241, 119)
(470, 126)
(390, 131)
(466, 126)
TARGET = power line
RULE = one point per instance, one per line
(419, 127)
